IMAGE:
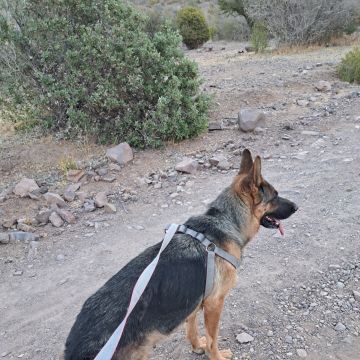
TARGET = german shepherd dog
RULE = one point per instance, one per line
(175, 292)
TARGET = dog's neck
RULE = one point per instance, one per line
(232, 216)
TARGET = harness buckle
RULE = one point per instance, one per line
(211, 247)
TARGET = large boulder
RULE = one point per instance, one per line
(120, 154)
(249, 119)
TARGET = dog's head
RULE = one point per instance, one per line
(266, 206)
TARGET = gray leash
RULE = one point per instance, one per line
(108, 350)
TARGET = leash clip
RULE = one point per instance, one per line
(211, 247)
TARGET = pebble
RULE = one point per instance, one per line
(356, 295)
(288, 339)
(244, 338)
(56, 220)
(18, 273)
(340, 327)
(301, 353)
(109, 208)
(4, 238)
(60, 257)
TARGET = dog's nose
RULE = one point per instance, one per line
(295, 208)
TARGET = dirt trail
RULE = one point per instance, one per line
(292, 291)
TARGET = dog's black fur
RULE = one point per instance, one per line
(177, 287)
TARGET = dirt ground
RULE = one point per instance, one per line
(292, 292)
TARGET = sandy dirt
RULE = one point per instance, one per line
(292, 292)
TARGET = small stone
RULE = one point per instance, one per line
(75, 175)
(43, 217)
(302, 102)
(110, 208)
(69, 195)
(102, 171)
(66, 216)
(108, 178)
(74, 187)
(5, 353)
(89, 205)
(101, 199)
(60, 257)
(259, 130)
(301, 353)
(340, 327)
(270, 333)
(4, 238)
(323, 86)
(158, 186)
(120, 154)
(356, 295)
(244, 338)
(25, 227)
(54, 199)
(214, 126)
(56, 220)
(340, 285)
(8, 223)
(249, 119)
(187, 166)
(114, 167)
(286, 137)
(288, 339)
(25, 187)
(18, 272)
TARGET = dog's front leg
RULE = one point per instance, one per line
(212, 312)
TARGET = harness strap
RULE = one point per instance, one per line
(109, 348)
(212, 250)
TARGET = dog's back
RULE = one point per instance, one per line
(174, 291)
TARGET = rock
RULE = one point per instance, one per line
(25, 187)
(102, 171)
(244, 338)
(101, 199)
(114, 167)
(23, 236)
(60, 257)
(25, 227)
(120, 154)
(249, 119)
(18, 273)
(187, 166)
(54, 199)
(301, 353)
(356, 295)
(4, 238)
(259, 130)
(340, 327)
(288, 339)
(214, 126)
(74, 187)
(108, 178)
(69, 195)
(302, 102)
(89, 205)
(75, 175)
(323, 86)
(270, 333)
(43, 217)
(66, 216)
(8, 223)
(340, 285)
(56, 220)
(110, 208)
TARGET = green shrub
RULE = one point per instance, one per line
(259, 37)
(349, 68)
(193, 27)
(350, 28)
(90, 67)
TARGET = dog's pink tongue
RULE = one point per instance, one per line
(281, 229)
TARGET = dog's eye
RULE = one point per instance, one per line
(262, 189)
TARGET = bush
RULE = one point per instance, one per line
(193, 27)
(89, 67)
(349, 68)
(259, 37)
(300, 22)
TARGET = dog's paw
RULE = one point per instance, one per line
(226, 354)
(201, 347)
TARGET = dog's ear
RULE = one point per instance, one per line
(256, 171)
(246, 162)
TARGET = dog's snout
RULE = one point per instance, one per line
(295, 207)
